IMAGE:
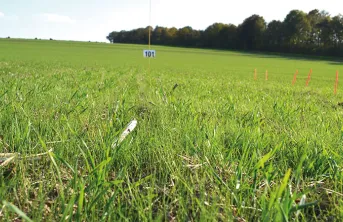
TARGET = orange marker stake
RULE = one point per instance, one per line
(295, 77)
(309, 78)
(266, 74)
(255, 75)
(336, 83)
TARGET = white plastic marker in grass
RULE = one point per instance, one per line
(6, 158)
(302, 202)
(130, 127)
(149, 53)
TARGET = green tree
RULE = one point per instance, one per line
(326, 33)
(337, 29)
(184, 36)
(251, 32)
(212, 37)
(297, 27)
(314, 17)
(169, 36)
(157, 35)
(228, 37)
(315, 32)
(274, 35)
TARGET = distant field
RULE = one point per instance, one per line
(211, 142)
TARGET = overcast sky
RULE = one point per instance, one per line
(94, 19)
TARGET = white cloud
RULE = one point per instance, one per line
(49, 17)
(11, 18)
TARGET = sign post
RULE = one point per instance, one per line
(148, 53)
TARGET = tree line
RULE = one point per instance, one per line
(315, 33)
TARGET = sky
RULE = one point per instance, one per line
(92, 20)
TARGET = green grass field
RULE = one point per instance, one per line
(218, 146)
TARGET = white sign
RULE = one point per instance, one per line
(149, 53)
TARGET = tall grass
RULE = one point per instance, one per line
(210, 144)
